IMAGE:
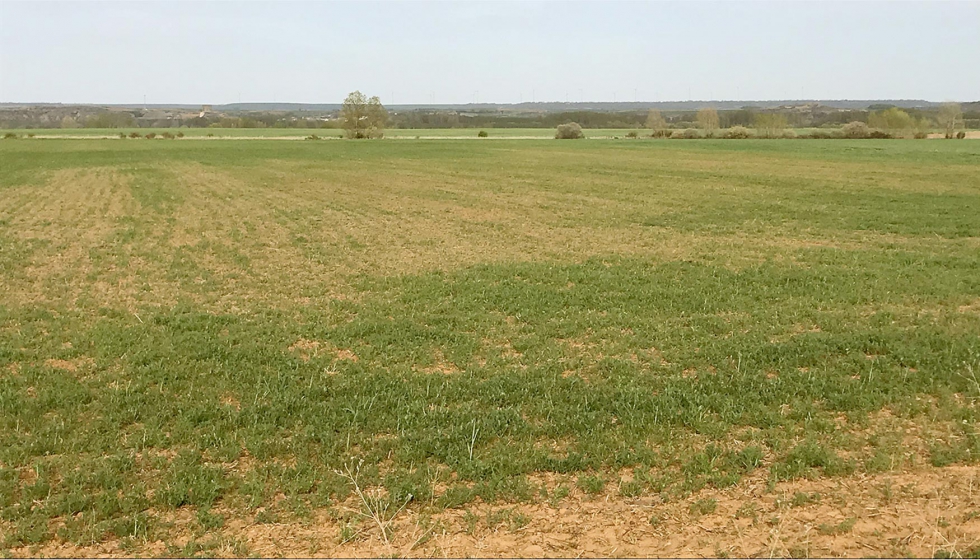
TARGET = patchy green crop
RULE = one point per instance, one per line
(232, 327)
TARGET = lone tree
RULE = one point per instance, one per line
(770, 125)
(949, 117)
(363, 118)
(894, 120)
(656, 122)
(708, 119)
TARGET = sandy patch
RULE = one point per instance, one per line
(917, 513)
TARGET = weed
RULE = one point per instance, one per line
(748, 510)
(591, 483)
(704, 506)
(841, 528)
(801, 499)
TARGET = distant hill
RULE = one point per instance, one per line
(537, 107)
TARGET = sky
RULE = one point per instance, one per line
(488, 52)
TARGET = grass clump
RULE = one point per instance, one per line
(591, 483)
(704, 506)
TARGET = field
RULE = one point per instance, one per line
(489, 348)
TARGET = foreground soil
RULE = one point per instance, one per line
(921, 513)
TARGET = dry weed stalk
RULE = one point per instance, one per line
(374, 507)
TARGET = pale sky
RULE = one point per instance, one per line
(503, 52)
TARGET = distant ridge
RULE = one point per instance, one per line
(535, 107)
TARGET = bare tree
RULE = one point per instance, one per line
(949, 118)
(770, 125)
(708, 120)
(655, 121)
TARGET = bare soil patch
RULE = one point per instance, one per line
(914, 513)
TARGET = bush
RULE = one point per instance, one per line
(482, 134)
(660, 133)
(180, 135)
(210, 135)
(9, 136)
(879, 134)
(134, 134)
(151, 135)
(960, 135)
(789, 134)
(168, 135)
(30, 135)
(856, 129)
(826, 134)
(738, 133)
(921, 135)
(570, 131)
(632, 134)
(122, 135)
(686, 134)
(312, 137)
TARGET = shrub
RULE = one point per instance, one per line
(738, 133)
(134, 134)
(826, 134)
(856, 129)
(168, 135)
(30, 135)
(920, 135)
(570, 131)
(960, 135)
(686, 134)
(9, 136)
(631, 134)
(879, 134)
(312, 137)
(661, 133)
(180, 135)
(482, 134)
(210, 135)
(789, 134)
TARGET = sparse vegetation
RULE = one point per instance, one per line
(210, 331)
